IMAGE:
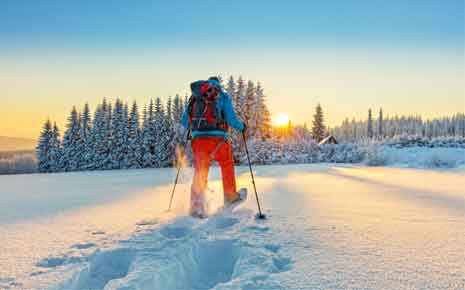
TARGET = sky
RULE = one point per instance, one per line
(404, 56)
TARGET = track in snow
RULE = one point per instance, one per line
(189, 254)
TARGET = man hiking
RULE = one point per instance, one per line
(208, 115)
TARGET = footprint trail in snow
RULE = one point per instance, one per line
(187, 253)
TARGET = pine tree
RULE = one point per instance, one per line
(125, 128)
(318, 128)
(44, 147)
(55, 150)
(178, 109)
(99, 138)
(251, 110)
(169, 109)
(354, 130)
(263, 114)
(380, 124)
(87, 154)
(171, 139)
(462, 126)
(163, 152)
(148, 137)
(118, 136)
(134, 155)
(72, 143)
(144, 114)
(158, 106)
(231, 89)
(240, 99)
(370, 125)
(85, 122)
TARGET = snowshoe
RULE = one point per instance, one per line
(241, 197)
(198, 208)
(198, 215)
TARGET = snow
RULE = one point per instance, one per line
(328, 227)
(416, 157)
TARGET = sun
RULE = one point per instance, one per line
(281, 120)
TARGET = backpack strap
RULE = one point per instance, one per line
(190, 107)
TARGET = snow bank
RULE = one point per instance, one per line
(436, 153)
(415, 157)
(404, 141)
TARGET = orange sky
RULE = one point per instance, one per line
(43, 84)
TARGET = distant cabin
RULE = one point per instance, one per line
(328, 140)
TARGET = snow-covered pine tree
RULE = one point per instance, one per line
(144, 115)
(99, 138)
(354, 130)
(117, 142)
(125, 127)
(169, 109)
(240, 99)
(345, 133)
(134, 155)
(43, 148)
(251, 111)
(318, 126)
(55, 150)
(108, 122)
(163, 137)
(370, 125)
(462, 125)
(85, 122)
(148, 137)
(72, 143)
(87, 153)
(231, 89)
(264, 116)
(380, 124)
(178, 109)
(172, 126)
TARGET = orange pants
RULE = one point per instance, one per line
(205, 150)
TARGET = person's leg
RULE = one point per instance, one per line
(225, 159)
(201, 152)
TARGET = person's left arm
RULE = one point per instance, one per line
(230, 115)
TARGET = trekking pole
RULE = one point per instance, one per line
(177, 176)
(260, 215)
(174, 187)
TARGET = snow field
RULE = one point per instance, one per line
(328, 227)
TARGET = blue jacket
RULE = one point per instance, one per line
(224, 103)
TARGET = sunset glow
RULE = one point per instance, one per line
(384, 59)
(281, 120)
